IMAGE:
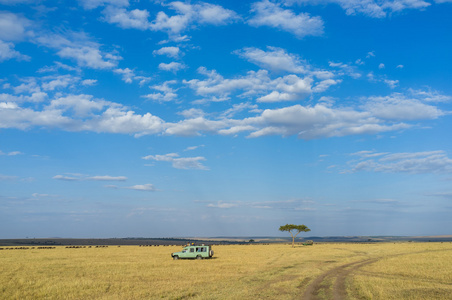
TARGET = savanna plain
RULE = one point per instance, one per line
(256, 271)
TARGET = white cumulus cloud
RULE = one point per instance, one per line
(270, 14)
(14, 27)
(173, 52)
(274, 58)
(172, 66)
(190, 15)
(7, 52)
(137, 19)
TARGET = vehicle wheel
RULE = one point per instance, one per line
(198, 257)
(175, 257)
(211, 253)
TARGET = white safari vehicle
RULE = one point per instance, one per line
(194, 251)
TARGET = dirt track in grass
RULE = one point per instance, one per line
(338, 291)
(332, 283)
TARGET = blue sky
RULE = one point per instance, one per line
(123, 118)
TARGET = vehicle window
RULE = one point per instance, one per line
(192, 249)
(203, 249)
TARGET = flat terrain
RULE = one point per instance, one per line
(275, 271)
(217, 240)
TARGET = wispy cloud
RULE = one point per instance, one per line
(436, 162)
(7, 177)
(142, 210)
(107, 178)
(79, 47)
(180, 162)
(7, 52)
(446, 195)
(148, 187)
(65, 178)
(193, 148)
(383, 201)
(374, 9)
(128, 76)
(221, 204)
(292, 204)
(142, 187)
(11, 153)
(81, 177)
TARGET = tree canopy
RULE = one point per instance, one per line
(294, 230)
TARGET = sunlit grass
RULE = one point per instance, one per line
(419, 275)
(236, 272)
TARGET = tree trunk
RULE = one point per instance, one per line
(293, 238)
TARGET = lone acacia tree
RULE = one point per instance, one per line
(291, 228)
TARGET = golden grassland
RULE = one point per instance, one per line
(276, 271)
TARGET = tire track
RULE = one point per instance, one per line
(339, 275)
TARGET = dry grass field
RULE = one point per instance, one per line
(278, 271)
